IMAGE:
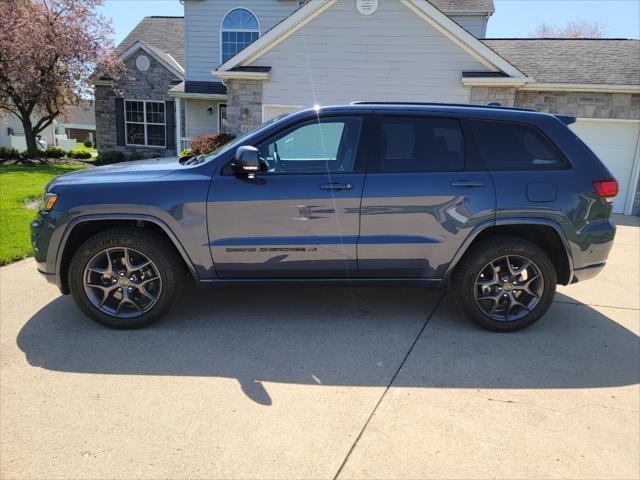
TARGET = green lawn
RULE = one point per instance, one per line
(19, 184)
(92, 151)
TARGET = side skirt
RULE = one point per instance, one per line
(432, 284)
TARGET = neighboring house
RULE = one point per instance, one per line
(80, 123)
(12, 132)
(231, 65)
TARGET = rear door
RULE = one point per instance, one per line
(424, 192)
(300, 216)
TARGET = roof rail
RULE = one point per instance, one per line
(427, 104)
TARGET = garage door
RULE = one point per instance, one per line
(616, 144)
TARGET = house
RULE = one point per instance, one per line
(80, 123)
(230, 65)
(77, 125)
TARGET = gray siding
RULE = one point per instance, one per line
(391, 55)
(476, 25)
(199, 121)
(203, 20)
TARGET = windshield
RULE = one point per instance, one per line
(239, 140)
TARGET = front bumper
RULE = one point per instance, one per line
(586, 273)
(45, 238)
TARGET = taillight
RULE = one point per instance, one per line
(606, 189)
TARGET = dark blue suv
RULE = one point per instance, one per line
(500, 204)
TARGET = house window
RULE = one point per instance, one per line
(222, 117)
(145, 123)
(239, 28)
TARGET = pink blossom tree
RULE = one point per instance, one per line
(49, 49)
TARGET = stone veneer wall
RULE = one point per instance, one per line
(244, 105)
(623, 106)
(154, 84)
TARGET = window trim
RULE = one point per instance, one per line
(220, 105)
(222, 30)
(565, 163)
(145, 123)
(374, 162)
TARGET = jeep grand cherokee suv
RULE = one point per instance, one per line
(501, 204)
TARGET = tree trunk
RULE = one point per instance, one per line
(30, 137)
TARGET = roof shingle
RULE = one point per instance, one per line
(164, 34)
(464, 5)
(577, 61)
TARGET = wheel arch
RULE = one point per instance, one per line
(81, 228)
(546, 234)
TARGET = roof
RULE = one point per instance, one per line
(448, 6)
(574, 61)
(163, 35)
(207, 88)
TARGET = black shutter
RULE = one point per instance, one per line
(120, 140)
(170, 112)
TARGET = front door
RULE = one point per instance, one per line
(298, 217)
(424, 193)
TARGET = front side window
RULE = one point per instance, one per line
(421, 144)
(239, 28)
(514, 146)
(145, 123)
(318, 146)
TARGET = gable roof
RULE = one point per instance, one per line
(573, 61)
(467, 6)
(163, 35)
(423, 8)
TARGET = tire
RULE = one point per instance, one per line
(150, 291)
(502, 306)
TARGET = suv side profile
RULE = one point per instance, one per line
(501, 204)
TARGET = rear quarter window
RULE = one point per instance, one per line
(515, 146)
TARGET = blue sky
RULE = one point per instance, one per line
(513, 18)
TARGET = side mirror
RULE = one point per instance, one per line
(247, 160)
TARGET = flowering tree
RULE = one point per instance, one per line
(48, 51)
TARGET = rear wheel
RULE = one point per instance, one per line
(505, 283)
(125, 278)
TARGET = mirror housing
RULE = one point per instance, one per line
(247, 160)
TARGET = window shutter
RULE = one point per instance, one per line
(120, 140)
(170, 112)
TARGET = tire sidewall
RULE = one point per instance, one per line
(113, 240)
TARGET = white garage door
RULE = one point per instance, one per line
(616, 144)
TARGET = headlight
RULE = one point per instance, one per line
(48, 201)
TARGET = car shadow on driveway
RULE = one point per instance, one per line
(338, 336)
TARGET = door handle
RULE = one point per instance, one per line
(467, 184)
(336, 186)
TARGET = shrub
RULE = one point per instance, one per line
(110, 156)
(136, 156)
(9, 153)
(54, 152)
(79, 154)
(24, 154)
(209, 142)
(185, 152)
(88, 143)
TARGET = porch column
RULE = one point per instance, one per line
(178, 125)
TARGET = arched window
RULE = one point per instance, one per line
(239, 28)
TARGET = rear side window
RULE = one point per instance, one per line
(514, 146)
(415, 144)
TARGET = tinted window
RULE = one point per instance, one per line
(318, 146)
(414, 144)
(510, 146)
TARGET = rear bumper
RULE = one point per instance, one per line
(586, 273)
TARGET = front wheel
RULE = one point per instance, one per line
(505, 283)
(125, 278)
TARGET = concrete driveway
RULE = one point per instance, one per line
(323, 383)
